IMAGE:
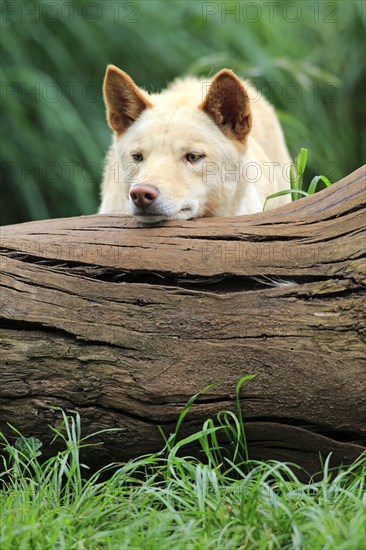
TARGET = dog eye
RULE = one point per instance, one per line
(193, 157)
(138, 157)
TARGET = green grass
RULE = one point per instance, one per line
(170, 500)
(308, 60)
(298, 188)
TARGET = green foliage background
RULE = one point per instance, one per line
(306, 56)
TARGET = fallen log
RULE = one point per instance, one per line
(124, 323)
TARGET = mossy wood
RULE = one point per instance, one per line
(124, 323)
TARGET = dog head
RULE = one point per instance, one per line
(179, 151)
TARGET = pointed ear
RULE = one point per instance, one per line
(123, 99)
(227, 103)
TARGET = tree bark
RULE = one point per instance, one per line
(124, 323)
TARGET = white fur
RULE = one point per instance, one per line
(232, 179)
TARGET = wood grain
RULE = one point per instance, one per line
(124, 323)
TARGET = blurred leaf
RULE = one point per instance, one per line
(28, 446)
(54, 132)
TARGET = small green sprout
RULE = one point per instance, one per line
(297, 170)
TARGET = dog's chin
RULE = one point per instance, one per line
(183, 214)
(150, 220)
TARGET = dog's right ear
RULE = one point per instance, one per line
(123, 99)
(227, 103)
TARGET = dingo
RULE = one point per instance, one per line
(185, 153)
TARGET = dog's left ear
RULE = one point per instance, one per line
(123, 99)
(227, 103)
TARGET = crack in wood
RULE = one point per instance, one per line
(128, 322)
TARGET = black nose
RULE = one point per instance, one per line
(144, 195)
